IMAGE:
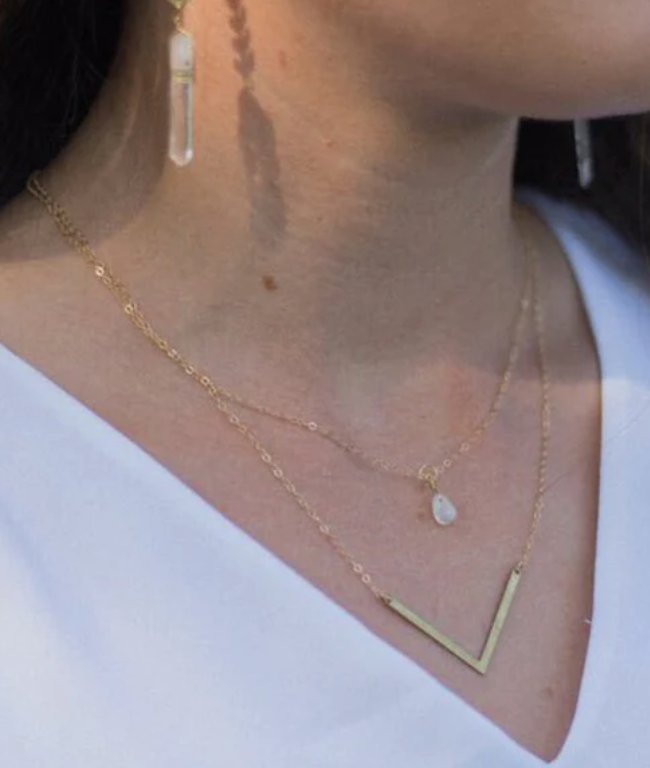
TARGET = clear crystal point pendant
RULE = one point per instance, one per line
(181, 94)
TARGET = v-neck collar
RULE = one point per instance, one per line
(597, 282)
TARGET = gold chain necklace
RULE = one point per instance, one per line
(443, 510)
(480, 664)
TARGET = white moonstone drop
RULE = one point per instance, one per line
(181, 98)
(444, 512)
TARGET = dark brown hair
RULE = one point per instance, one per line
(55, 55)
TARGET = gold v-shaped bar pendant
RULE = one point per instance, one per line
(481, 663)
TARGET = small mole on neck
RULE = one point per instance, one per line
(270, 283)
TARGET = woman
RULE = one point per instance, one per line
(345, 248)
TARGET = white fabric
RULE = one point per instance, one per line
(139, 628)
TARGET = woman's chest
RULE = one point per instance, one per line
(454, 578)
(141, 627)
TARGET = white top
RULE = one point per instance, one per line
(140, 628)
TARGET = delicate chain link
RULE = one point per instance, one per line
(545, 414)
(221, 397)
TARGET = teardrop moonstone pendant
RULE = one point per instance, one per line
(181, 98)
(444, 512)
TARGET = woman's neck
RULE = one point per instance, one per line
(338, 201)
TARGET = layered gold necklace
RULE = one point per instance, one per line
(443, 509)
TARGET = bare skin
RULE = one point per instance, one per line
(367, 276)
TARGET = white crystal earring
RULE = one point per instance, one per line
(181, 95)
(584, 152)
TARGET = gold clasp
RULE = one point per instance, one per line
(430, 475)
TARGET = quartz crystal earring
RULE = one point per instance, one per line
(584, 152)
(181, 95)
